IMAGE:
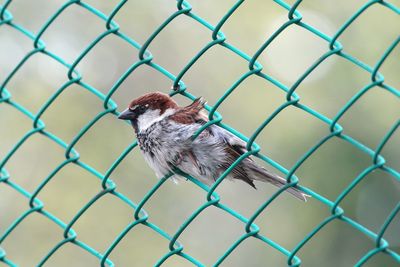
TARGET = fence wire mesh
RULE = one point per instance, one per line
(251, 230)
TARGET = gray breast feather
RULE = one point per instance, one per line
(166, 144)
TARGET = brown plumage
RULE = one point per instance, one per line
(191, 113)
(154, 101)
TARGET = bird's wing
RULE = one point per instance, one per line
(233, 146)
(238, 172)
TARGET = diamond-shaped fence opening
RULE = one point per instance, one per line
(90, 126)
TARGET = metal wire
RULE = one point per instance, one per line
(251, 230)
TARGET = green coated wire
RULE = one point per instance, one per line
(218, 38)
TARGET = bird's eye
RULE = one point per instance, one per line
(143, 108)
(139, 108)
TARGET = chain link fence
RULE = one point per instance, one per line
(212, 199)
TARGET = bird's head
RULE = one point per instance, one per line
(147, 109)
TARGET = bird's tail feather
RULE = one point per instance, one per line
(263, 175)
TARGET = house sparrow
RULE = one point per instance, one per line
(164, 132)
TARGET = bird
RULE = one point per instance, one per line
(164, 134)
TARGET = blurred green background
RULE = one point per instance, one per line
(286, 221)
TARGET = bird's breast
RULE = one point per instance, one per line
(147, 143)
(149, 140)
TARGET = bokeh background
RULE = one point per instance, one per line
(285, 139)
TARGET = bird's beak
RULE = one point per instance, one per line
(127, 114)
